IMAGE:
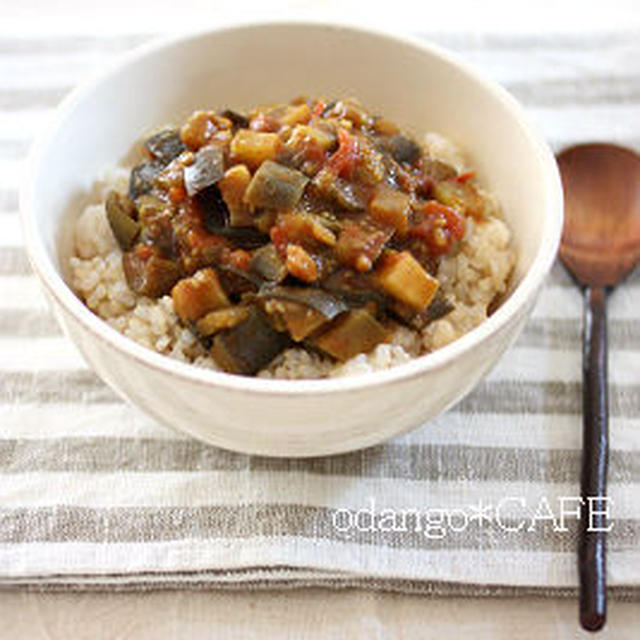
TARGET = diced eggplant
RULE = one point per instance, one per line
(298, 319)
(265, 220)
(238, 281)
(353, 111)
(437, 170)
(248, 347)
(361, 243)
(233, 186)
(206, 170)
(120, 214)
(221, 319)
(197, 295)
(275, 187)
(440, 306)
(390, 207)
(149, 207)
(243, 237)
(237, 119)
(151, 276)
(143, 178)
(213, 207)
(385, 127)
(461, 196)
(348, 195)
(307, 229)
(254, 147)
(165, 146)
(352, 333)
(356, 289)
(267, 264)
(402, 277)
(403, 149)
(203, 127)
(303, 135)
(321, 301)
(295, 114)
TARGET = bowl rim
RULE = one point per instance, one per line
(57, 287)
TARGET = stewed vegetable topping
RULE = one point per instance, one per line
(314, 223)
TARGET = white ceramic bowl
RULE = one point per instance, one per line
(418, 85)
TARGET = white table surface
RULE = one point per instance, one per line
(308, 613)
(301, 615)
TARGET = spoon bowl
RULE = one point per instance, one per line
(601, 235)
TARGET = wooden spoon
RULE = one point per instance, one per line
(600, 246)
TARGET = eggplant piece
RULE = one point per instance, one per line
(361, 243)
(214, 210)
(274, 186)
(294, 114)
(439, 308)
(248, 347)
(403, 278)
(356, 289)
(298, 319)
(165, 146)
(461, 196)
(238, 281)
(352, 333)
(403, 149)
(237, 119)
(267, 264)
(254, 147)
(153, 276)
(233, 186)
(390, 207)
(353, 111)
(206, 170)
(120, 214)
(303, 135)
(197, 295)
(150, 207)
(143, 178)
(221, 319)
(216, 220)
(319, 300)
(348, 195)
(242, 237)
(437, 170)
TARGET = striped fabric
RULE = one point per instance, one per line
(94, 494)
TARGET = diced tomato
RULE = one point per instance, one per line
(144, 251)
(343, 162)
(314, 153)
(240, 259)
(177, 194)
(318, 110)
(439, 227)
(463, 177)
(280, 240)
(200, 240)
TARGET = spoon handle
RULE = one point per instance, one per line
(595, 455)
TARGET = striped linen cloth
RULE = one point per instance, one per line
(94, 494)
